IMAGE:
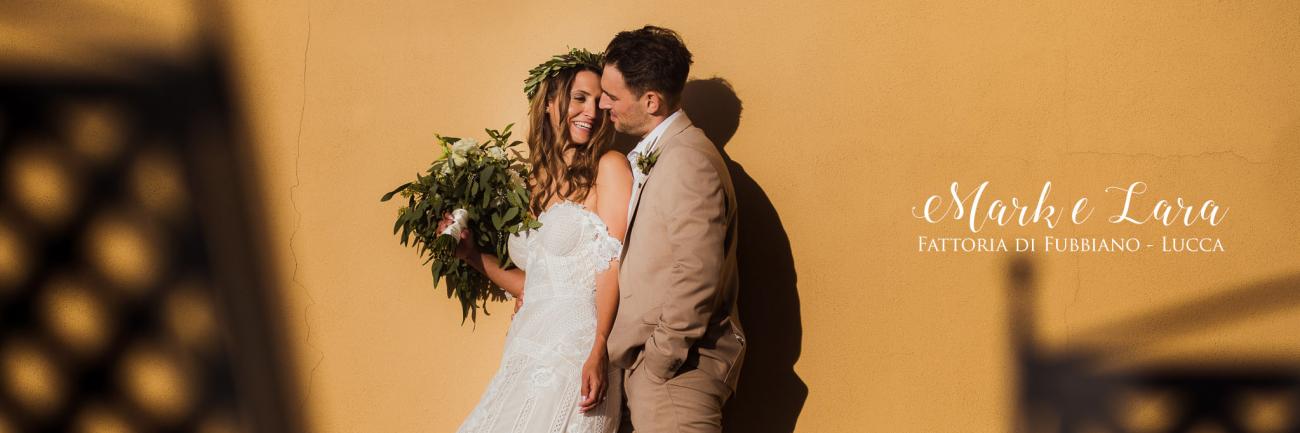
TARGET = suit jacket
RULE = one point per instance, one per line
(678, 278)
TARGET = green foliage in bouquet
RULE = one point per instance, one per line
(487, 181)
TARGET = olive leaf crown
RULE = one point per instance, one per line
(574, 58)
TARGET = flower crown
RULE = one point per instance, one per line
(574, 58)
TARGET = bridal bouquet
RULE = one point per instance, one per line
(482, 186)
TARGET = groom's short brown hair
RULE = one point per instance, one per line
(651, 58)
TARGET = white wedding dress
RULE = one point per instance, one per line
(536, 388)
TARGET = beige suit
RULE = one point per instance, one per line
(678, 331)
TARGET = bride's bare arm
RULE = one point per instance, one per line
(512, 280)
(613, 191)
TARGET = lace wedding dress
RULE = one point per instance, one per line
(537, 387)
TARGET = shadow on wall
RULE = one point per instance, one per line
(770, 395)
(1078, 388)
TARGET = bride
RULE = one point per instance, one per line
(554, 374)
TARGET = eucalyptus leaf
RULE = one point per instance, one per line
(390, 194)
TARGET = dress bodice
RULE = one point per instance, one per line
(564, 255)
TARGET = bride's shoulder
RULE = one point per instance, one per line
(614, 163)
(613, 157)
(613, 187)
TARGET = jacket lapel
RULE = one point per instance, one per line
(667, 139)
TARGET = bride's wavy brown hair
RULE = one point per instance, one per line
(551, 178)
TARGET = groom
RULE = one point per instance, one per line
(677, 334)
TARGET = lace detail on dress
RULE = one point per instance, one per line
(607, 249)
(536, 387)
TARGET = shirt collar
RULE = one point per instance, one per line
(644, 145)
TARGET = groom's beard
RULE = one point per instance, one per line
(631, 130)
(638, 128)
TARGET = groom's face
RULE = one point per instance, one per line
(626, 108)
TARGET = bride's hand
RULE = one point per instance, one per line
(467, 248)
(593, 380)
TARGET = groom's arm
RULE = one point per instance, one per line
(697, 228)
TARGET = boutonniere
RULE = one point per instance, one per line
(647, 162)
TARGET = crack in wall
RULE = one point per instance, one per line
(297, 181)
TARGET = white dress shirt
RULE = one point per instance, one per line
(645, 147)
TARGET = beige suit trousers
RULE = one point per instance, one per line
(690, 402)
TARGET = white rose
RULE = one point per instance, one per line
(497, 153)
(464, 146)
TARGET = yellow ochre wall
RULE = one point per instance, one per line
(852, 113)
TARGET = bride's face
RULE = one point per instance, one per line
(583, 100)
